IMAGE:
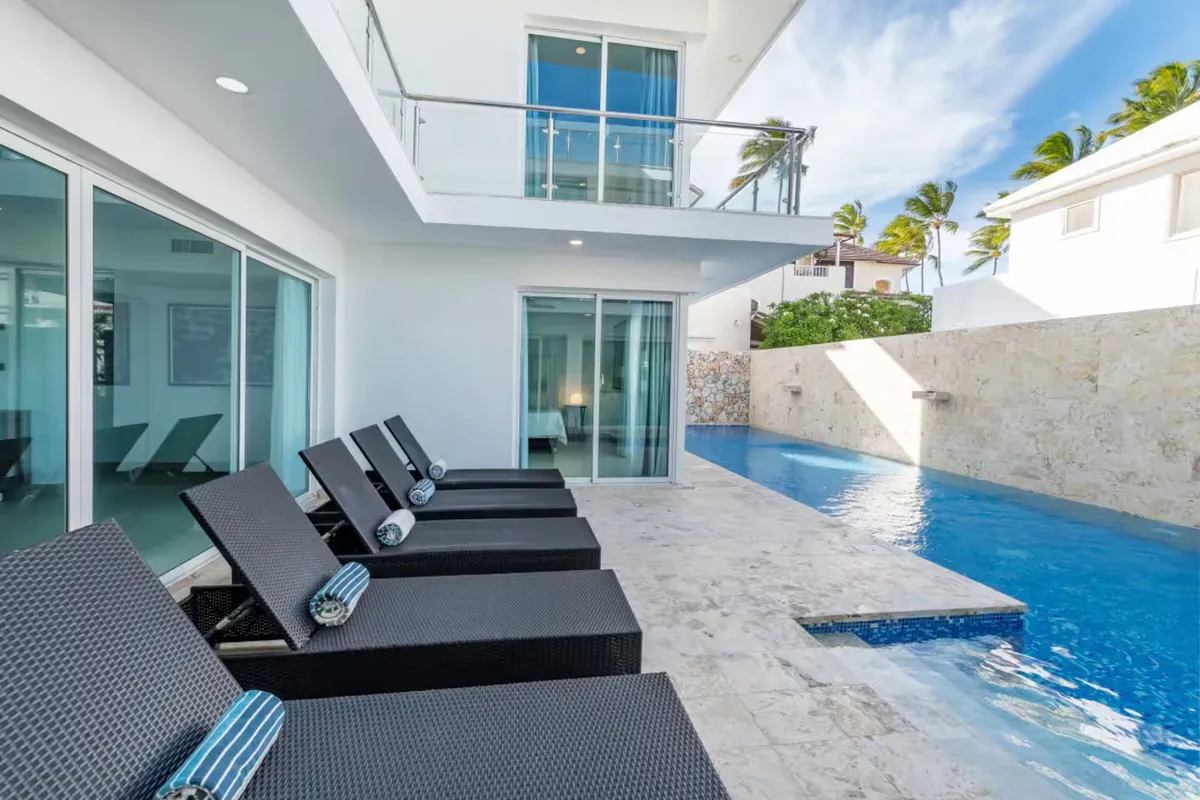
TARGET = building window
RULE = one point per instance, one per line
(849, 284)
(810, 271)
(596, 158)
(1080, 218)
(1187, 204)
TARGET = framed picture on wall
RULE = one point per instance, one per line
(200, 345)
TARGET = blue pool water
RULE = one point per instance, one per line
(1112, 636)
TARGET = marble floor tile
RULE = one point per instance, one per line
(756, 672)
(723, 723)
(815, 666)
(920, 769)
(757, 774)
(791, 717)
(837, 770)
(698, 676)
(858, 711)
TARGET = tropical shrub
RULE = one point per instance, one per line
(823, 317)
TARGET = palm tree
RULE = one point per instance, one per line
(849, 221)
(981, 214)
(906, 238)
(930, 208)
(1164, 91)
(988, 243)
(1056, 151)
(759, 151)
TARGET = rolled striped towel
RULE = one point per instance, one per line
(421, 492)
(393, 530)
(334, 602)
(223, 765)
(437, 470)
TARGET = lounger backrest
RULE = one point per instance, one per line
(11, 451)
(348, 487)
(110, 446)
(107, 685)
(265, 536)
(385, 460)
(409, 444)
(183, 441)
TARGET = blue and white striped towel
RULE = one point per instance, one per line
(225, 762)
(334, 602)
(422, 492)
(437, 470)
(394, 530)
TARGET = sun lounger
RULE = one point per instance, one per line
(471, 478)
(331, 463)
(108, 690)
(181, 444)
(407, 633)
(447, 547)
(111, 446)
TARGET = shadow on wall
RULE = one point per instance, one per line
(1102, 410)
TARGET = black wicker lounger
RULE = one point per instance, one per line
(471, 478)
(407, 633)
(108, 689)
(448, 547)
(332, 463)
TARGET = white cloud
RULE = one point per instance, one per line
(901, 92)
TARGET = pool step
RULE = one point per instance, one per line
(942, 711)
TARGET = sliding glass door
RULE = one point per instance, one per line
(597, 386)
(33, 350)
(589, 157)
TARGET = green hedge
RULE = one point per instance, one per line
(824, 317)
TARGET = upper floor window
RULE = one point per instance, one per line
(1081, 218)
(810, 271)
(1187, 204)
(591, 156)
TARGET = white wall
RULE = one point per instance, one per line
(434, 335)
(721, 322)
(1130, 262)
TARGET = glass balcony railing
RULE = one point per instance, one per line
(554, 153)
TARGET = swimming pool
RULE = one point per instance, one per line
(1113, 628)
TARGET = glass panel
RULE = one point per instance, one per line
(558, 372)
(639, 157)
(1081, 217)
(166, 352)
(33, 351)
(634, 402)
(278, 371)
(564, 73)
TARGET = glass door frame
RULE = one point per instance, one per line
(79, 465)
(678, 348)
(677, 171)
(83, 178)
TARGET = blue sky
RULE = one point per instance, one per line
(904, 91)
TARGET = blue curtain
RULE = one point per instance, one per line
(289, 395)
(535, 124)
(643, 143)
(647, 412)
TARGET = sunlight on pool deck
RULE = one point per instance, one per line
(717, 573)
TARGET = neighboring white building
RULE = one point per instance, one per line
(500, 246)
(1117, 231)
(723, 321)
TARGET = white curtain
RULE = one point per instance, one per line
(289, 396)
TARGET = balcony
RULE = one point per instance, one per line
(521, 150)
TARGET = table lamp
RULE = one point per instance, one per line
(576, 399)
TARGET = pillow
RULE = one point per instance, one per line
(421, 493)
(334, 602)
(437, 470)
(224, 763)
(394, 530)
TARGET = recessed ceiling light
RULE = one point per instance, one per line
(232, 85)
(735, 58)
(576, 243)
(580, 50)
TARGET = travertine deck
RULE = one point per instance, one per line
(717, 574)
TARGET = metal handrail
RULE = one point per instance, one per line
(432, 98)
(797, 138)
